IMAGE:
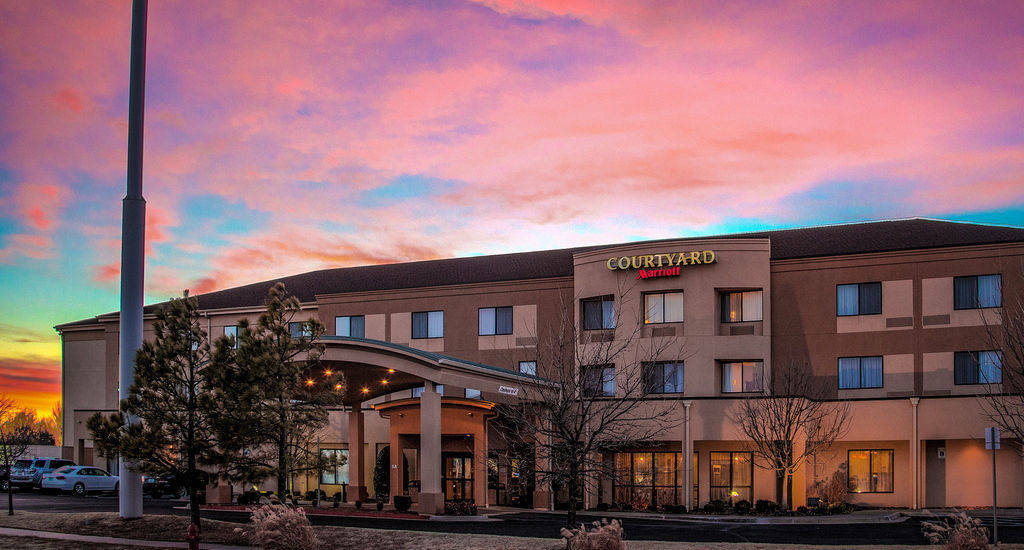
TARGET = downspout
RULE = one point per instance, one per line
(915, 452)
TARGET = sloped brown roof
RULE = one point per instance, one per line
(803, 242)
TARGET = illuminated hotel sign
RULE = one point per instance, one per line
(661, 265)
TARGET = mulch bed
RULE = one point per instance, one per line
(311, 511)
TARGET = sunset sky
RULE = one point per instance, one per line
(284, 137)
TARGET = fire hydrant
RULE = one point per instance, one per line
(192, 537)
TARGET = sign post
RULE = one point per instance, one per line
(992, 443)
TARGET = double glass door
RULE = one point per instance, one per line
(457, 476)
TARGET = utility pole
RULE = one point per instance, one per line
(133, 251)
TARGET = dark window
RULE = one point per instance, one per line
(869, 471)
(860, 372)
(743, 377)
(977, 367)
(979, 291)
(299, 330)
(738, 307)
(598, 313)
(599, 380)
(663, 377)
(732, 476)
(428, 324)
(353, 326)
(495, 320)
(663, 307)
(859, 299)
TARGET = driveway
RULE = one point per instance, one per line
(32, 501)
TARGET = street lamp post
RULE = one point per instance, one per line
(133, 250)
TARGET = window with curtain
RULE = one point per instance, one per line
(738, 307)
(599, 380)
(232, 333)
(663, 307)
(528, 367)
(860, 372)
(663, 377)
(337, 471)
(352, 325)
(977, 291)
(977, 367)
(732, 476)
(742, 377)
(598, 313)
(428, 324)
(300, 329)
(869, 471)
(495, 320)
(859, 299)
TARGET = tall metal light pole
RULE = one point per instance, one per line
(133, 250)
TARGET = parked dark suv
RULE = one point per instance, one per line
(29, 473)
(172, 485)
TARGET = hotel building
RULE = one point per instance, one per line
(892, 315)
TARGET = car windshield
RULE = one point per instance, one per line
(22, 463)
(40, 464)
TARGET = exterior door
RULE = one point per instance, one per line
(457, 476)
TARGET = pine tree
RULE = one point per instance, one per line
(272, 394)
(171, 401)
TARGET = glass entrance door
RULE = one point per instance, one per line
(457, 476)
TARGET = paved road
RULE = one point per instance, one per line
(547, 525)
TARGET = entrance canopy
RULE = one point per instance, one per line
(373, 368)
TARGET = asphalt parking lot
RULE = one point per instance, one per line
(34, 501)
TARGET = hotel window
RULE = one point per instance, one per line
(528, 367)
(336, 472)
(732, 476)
(653, 478)
(738, 307)
(663, 307)
(232, 333)
(472, 394)
(977, 367)
(869, 471)
(663, 377)
(495, 320)
(354, 326)
(599, 380)
(860, 372)
(977, 292)
(598, 313)
(428, 324)
(859, 299)
(301, 329)
(743, 377)
(416, 392)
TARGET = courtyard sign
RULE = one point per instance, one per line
(661, 265)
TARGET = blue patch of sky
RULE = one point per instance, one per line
(406, 187)
(208, 216)
(1013, 215)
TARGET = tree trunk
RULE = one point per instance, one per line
(10, 496)
(282, 465)
(787, 494)
(570, 516)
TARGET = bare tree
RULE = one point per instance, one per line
(14, 442)
(592, 400)
(796, 408)
(1003, 402)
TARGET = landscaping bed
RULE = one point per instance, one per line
(313, 511)
(109, 524)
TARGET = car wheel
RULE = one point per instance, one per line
(5, 485)
(78, 490)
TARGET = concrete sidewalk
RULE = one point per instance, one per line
(856, 517)
(5, 531)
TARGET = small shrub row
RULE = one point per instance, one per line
(460, 508)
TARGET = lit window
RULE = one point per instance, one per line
(428, 324)
(869, 471)
(977, 292)
(528, 367)
(732, 475)
(977, 367)
(353, 326)
(495, 320)
(738, 307)
(859, 299)
(663, 377)
(743, 377)
(860, 372)
(663, 307)
(232, 333)
(599, 380)
(598, 313)
(472, 394)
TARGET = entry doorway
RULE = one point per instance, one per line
(457, 476)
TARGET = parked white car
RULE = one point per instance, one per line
(79, 480)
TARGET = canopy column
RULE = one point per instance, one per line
(356, 485)
(431, 500)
